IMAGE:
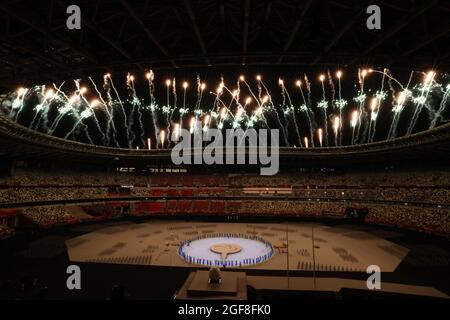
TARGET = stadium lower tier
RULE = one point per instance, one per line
(6, 232)
(428, 219)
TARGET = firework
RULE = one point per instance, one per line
(123, 124)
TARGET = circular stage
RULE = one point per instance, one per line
(226, 250)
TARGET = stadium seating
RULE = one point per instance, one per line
(418, 201)
(6, 232)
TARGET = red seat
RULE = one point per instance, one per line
(184, 206)
(172, 192)
(217, 207)
(171, 206)
(152, 207)
(186, 192)
(201, 206)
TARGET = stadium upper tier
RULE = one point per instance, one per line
(30, 186)
(21, 142)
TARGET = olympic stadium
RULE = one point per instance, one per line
(90, 119)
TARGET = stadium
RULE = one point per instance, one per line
(360, 137)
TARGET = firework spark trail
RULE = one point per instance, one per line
(22, 99)
(175, 98)
(392, 89)
(238, 90)
(167, 112)
(398, 104)
(220, 101)
(283, 104)
(277, 118)
(184, 94)
(361, 102)
(251, 92)
(45, 118)
(421, 101)
(380, 97)
(304, 108)
(94, 116)
(258, 83)
(353, 124)
(65, 110)
(224, 115)
(267, 91)
(233, 99)
(83, 128)
(371, 135)
(333, 93)
(308, 90)
(86, 131)
(393, 131)
(197, 109)
(73, 128)
(134, 103)
(372, 117)
(139, 113)
(42, 107)
(97, 124)
(19, 103)
(15, 104)
(336, 130)
(215, 105)
(153, 107)
(442, 107)
(183, 110)
(341, 105)
(312, 118)
(137, 110)
(109, 123)
(292, 113)
(353, 135)
(333, 88)
(361, 99)
(199, 90)
(56, 121)
(44, 115)
(122, 109)
(284, 127)
(283, 93)
(274, 112)
(297, 129)
(80, 117)
(324, 106)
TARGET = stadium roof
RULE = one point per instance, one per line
(121, 35)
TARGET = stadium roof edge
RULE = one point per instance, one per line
(21, 142)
